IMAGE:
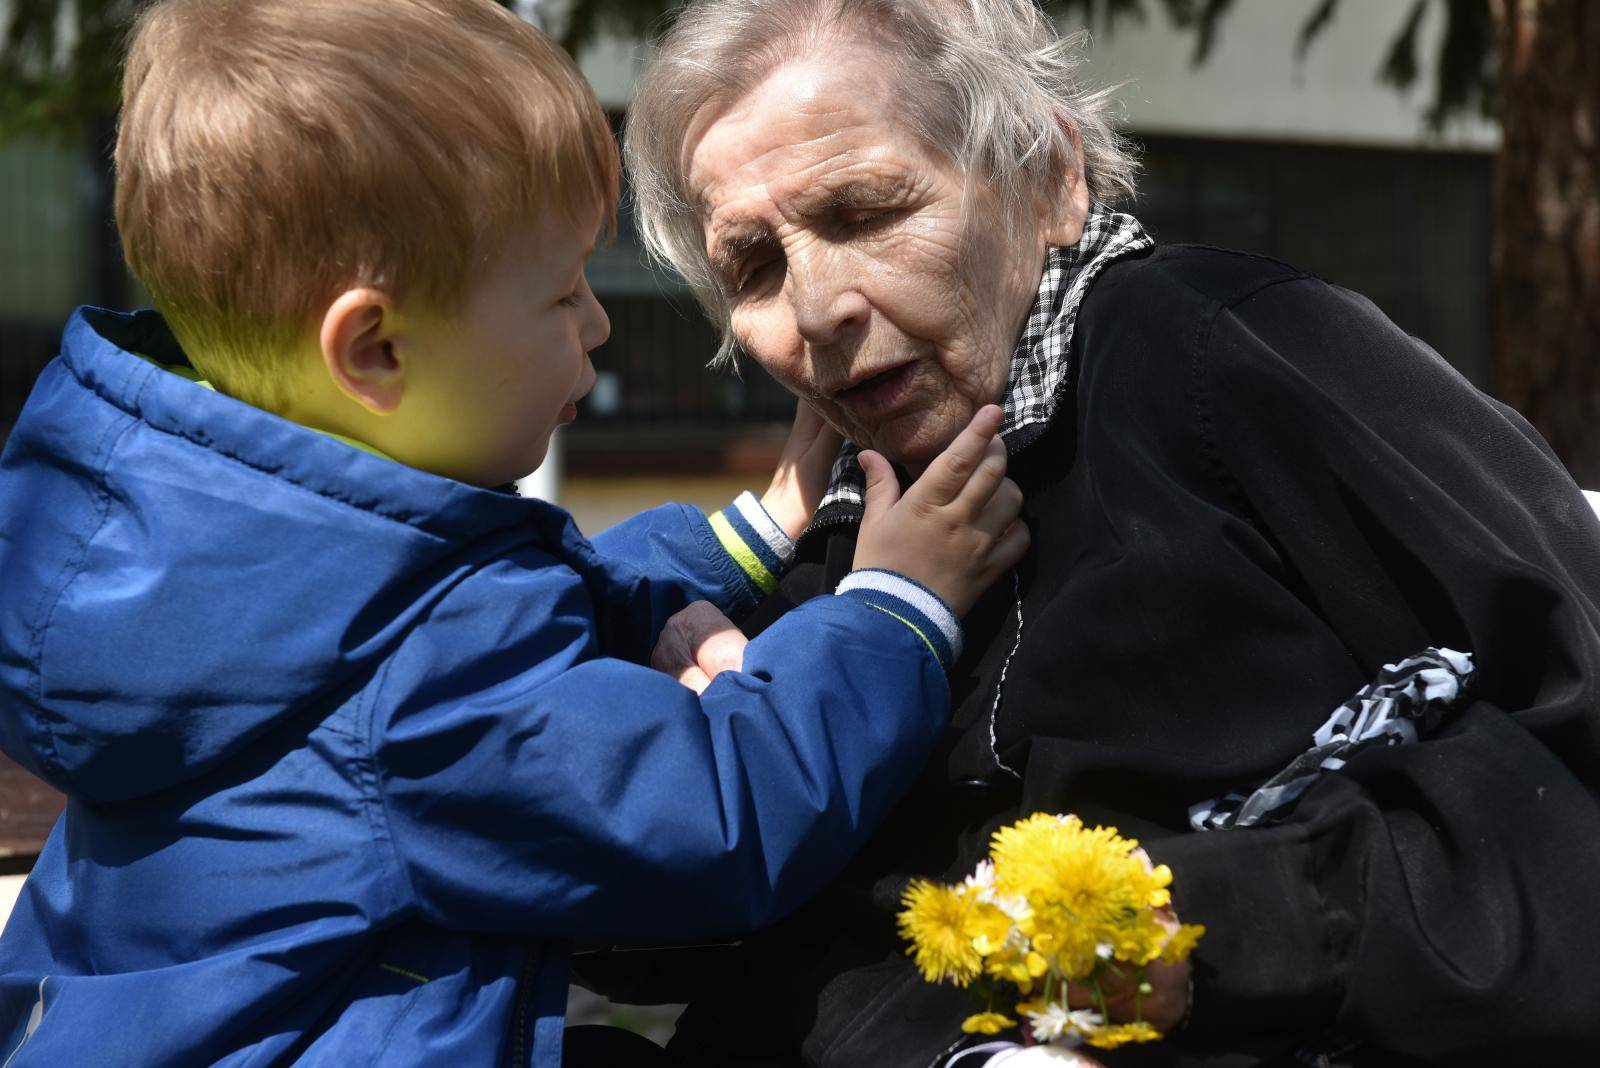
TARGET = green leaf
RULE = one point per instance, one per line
(1399, 67)
(1464, 71)
(1206, 28)
(1319, 19)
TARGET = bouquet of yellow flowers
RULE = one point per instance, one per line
(1057, 906)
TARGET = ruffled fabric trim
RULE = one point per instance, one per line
(1406, 700)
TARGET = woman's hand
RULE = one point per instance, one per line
(1163, 1008)
(1167, 1003)
(804, 467)
(698, 643)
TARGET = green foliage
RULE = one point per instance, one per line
(1201, 17)
(1204, 17)
(59, 71)
(1463, 69)
(590, 20)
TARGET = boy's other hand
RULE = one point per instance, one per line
(804, 467)
(956, 529)
(697, 644)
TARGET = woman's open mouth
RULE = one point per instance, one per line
(879, 393)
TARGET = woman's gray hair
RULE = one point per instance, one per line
(989, 84)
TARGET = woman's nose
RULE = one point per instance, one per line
(827, 305)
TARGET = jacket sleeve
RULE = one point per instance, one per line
(663, 558)
(528, 785)
(1430, 898)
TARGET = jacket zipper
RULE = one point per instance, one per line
(820, 524)
(1016, 586)
(1000, 683)
(521, 1048)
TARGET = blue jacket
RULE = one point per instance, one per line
(351, 750)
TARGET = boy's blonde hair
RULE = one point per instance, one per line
(273, 153)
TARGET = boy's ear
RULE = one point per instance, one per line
(359, 352)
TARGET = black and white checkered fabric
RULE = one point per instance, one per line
(1039, 362)
(1407, 699)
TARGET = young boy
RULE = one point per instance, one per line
(353, 741)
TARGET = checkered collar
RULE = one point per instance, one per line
(1039, 362)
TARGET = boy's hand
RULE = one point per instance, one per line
(697, 644)
(803, 469)
(956, 529)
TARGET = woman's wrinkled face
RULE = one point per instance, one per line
(853, 274)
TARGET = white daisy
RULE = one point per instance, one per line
(1059, 1025)
(981, 880)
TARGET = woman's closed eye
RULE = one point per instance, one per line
(864, 220)
(754, 275)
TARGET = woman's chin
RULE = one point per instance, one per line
(912, 440)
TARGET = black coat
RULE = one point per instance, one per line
(1256, 493)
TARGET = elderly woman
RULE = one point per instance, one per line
(1251, 497)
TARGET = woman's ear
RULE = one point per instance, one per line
(1071, 207)
(359, 352)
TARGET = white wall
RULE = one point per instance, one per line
(612, 67)
(10, 887)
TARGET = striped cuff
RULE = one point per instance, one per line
(757, 544)
(912, 604)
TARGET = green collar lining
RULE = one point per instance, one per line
(185, 371)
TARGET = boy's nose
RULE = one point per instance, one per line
(598, 326)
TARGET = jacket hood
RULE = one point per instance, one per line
(177, 566)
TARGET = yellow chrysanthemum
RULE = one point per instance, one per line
(1182, 942)
(1017, 965)
(1137, 938)
(1086, 887)
(1114, 1035)
(1161, 896)
(986, 925)
(987, 1023)
(949, 930)
(1067, 943)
